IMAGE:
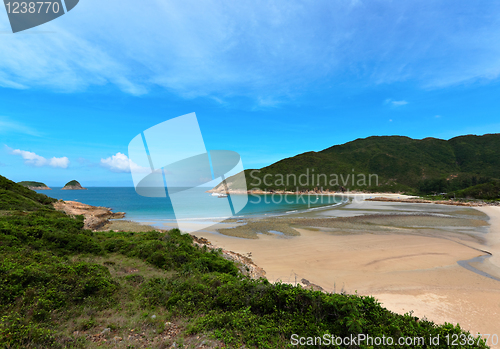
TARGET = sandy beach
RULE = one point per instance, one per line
(405, 255)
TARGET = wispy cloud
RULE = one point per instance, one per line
(399, 103)
(33, 159)
(395, 103)
(8, 126)
(121, 163)
(60, 60)
(226, 48)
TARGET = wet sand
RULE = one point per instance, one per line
(492, 264)
(405, 255)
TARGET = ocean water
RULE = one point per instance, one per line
(196, 204)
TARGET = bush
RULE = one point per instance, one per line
(34, 285)
(240, 311)
(169, 251)
(47, 230)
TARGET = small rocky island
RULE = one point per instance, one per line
(34, 185)
(73, 185)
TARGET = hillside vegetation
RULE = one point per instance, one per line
(388, 163)
(14, 196)
(486, 191)
(65, 287)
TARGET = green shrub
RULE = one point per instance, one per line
(47, 230)
(170, 251)
(240, 311)
(35, 285)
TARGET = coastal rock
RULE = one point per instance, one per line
(95, 217)
(312, 286)
(39, 188)
(73, 185)
(34, 185)
(244, 264)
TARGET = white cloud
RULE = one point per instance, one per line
(34, 159)
(30, 157)
(59, 162)
(399, 103)
(395, 103)
(121, 163)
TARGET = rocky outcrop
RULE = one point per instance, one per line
(309, 285)
(73, 185)
(34, 185)
(95, 216)
(244, 264)
(39, 188)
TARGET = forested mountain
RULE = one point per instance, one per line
(387, 163)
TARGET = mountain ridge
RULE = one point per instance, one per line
(401, 164)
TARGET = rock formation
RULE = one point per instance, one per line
(95, 217)
(73, 185)
(34, 185)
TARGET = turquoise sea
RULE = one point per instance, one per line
(197, 205)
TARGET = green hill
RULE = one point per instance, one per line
(486, 191)
(32, 184)
(14, 196)
(385, 163)
(72, 183)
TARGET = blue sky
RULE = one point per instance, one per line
(266, 79)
